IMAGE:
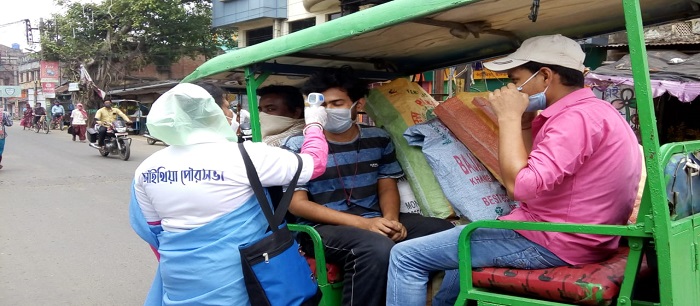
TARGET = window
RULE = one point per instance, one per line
(256, 36)
(301, 24)
(337, 15)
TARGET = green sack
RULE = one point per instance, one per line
(395, 107)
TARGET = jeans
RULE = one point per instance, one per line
(364, 255)
(101, 134)
(412, 261)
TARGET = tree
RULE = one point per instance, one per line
(115, 37)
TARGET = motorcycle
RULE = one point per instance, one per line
(150, 139)
(117, 140)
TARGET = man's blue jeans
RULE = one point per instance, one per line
(411, 262)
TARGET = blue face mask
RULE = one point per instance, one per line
(538, 101)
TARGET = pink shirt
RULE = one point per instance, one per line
(584, 168)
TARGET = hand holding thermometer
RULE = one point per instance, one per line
(314, 113)
(314, 99)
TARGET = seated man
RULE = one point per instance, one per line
(281, 113)
(104, 117)
(557, 165)
(57, 110)
(38, 112)
(354, 205)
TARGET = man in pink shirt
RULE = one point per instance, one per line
(571, 163)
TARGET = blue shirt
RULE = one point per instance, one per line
(57, 109)
(349, 183)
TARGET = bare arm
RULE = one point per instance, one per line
(389, 203)
(302, 207)
(389, 200)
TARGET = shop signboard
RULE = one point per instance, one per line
(49, 71)
(10, 91)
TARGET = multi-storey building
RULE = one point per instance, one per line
(262, 20)
(9, 73)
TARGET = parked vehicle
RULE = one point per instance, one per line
(117, 141)
(136, 111)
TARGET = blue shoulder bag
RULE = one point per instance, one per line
(275, 273)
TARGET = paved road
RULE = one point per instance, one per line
(65, 237)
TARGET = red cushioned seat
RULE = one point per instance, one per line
(334, 273)
(591, 284)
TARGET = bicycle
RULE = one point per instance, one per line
(41, 124)
(57, 122)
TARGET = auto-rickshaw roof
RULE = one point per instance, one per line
(403, 37)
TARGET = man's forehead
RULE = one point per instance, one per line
(271, 98)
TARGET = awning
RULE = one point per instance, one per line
(404, 37)
(140, 89)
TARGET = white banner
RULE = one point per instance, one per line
(10, 92)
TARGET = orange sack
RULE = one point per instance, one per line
(469, 116)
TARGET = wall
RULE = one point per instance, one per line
(178, 70)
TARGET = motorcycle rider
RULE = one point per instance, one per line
(104, 117)
(38, 112)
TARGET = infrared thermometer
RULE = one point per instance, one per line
(314, 99)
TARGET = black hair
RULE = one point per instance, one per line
(215, 91)
(343, 78)
(292, 96)
(568, 76)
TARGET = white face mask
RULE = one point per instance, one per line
(273, 124)
(339, 119)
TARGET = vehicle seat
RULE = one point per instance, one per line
(333, 271)
(591, 284)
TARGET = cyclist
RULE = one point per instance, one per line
(57, 112)
(38, 112)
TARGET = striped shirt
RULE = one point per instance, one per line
(350, 181)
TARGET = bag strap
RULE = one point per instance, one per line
(274, 219)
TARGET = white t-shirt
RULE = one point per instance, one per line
(78, 117)
(185, 187)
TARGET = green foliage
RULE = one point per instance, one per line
(114, 37)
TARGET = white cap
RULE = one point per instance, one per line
(549, 49)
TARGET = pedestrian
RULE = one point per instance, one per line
(79, 122)
(193, 202)
(27, 116)
(5, 120)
